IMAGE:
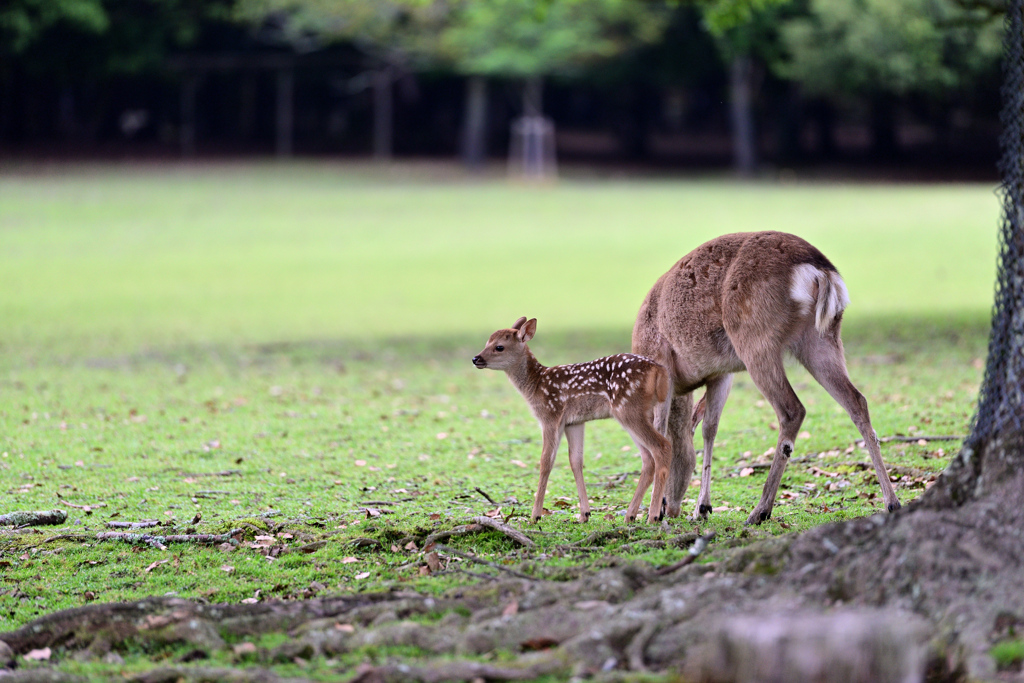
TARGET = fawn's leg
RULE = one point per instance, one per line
(656, 452)
(714, 401)
(574, 435)
(552, 439)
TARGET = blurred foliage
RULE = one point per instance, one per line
(859, 47)
(541, 37)
(502, 37)
(97, 38)
(393, 30)
(23, 21)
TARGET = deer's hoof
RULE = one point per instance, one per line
(893, 506)
(701, 513)
(758, 516)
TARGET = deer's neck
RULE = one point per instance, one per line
(526, 375)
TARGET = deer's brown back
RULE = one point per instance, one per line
(735, 286)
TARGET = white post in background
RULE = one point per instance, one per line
(532, 149)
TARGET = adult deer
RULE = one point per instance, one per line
(564, 397)
(739, 302)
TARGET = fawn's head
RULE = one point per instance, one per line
(506, 347)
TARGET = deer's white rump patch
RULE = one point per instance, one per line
(824, 290)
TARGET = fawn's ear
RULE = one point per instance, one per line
(528, 330)
(518, 323)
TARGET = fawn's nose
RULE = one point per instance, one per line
(479, 362)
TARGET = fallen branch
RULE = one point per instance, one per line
(160, 542)
(698, 547)
(484, 494)
(33, 518)
(87, 508)
(60, 537)
(461, 530)
(617, 532)
(471, 558)
(516, 535)
(133, 525)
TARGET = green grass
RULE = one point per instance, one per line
(307, 329)
(116, 260)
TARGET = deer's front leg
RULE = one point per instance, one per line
(552, 439)
(574, 435)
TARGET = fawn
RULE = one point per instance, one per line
(564, 397)
(739, 302)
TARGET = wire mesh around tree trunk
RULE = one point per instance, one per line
(1001, 399)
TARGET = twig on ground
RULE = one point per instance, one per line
(134, 525)
(698, 547)
(61, 537)
(484, 494)
(516, 535)
(476, 575)
(33, 518)
(87, 508)
(457, 553)
(461, 530)
(617, 532)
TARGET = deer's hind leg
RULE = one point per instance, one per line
(822, 355)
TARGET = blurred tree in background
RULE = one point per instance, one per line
(880, 50)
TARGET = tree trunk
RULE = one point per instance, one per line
(474, 126)
(744, 143)
(533, 96)
(383, 114)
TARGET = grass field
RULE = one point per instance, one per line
(285, 350)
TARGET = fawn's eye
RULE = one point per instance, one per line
(499, 347)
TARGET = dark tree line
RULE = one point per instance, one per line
(785, 81)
